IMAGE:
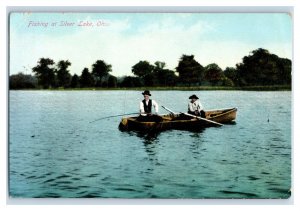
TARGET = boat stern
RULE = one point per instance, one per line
(123, 124)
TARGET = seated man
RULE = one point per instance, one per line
(146, 105)
(195, 107)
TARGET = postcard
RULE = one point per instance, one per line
(164, 105)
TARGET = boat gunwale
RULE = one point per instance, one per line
(163, 122)
(230, 110)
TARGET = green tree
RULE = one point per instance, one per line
(99, 70)
(168, 78)
(75, 81)
(112, 81)
(22, 81)
(232, 74)
(263, 68)
(129, 81)
(149, 80)
(86, 78)
(163, 77)
(142, 69)
(285, 67)
(226, 81)
(213, 73)
(62, 73)
(190, 71)
(159, 65)
(44, 73)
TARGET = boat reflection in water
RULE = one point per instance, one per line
(152, 136)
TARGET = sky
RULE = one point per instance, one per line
(124, 39)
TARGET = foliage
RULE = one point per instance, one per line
(62, 73)
(159, 65)
(112, 81)
(166, 77)
(86, 78)
(231, 74)
(99, 70)
(154, 75)
(259, 69)
(130, 81)
(190, 71)
(75, 81)
(142, 69)
(264, 68)
(44, 73)
(227, 82)
(21, 81)
(213, 73)
(163, 77)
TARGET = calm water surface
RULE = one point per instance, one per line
(55, 152)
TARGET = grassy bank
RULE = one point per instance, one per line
(184, 88)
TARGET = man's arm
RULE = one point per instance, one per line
(200, 107)
(142, 111)
(190, 107)
(154, 103)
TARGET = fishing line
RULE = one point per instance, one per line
(124, 101)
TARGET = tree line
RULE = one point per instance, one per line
(259, 68)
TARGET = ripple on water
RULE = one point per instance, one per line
(31, 177)
(63, 182)
(253, 178)
(239, 194)
(48, 195)
(75, 178)
(263, 172)
(68, 188)
(91, 195)
(63, 176)
(49, 180)
(126, 189)
(228, 162)
(93, 175)
(281, 190)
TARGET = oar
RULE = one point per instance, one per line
(219, 124)
(168, 109)
(207, 120)
(112, 116)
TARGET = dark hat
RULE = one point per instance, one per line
(193, 97)
(146, 92)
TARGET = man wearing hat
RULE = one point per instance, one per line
(195, 107)
(147, 104)
(146, 110)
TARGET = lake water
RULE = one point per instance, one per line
(55, 152)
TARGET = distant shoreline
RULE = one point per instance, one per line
(177, 88)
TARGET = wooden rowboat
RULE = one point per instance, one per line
(180, 121)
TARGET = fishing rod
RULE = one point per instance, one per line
(112, 116)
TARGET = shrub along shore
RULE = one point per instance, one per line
(260, 70)
(179, 88)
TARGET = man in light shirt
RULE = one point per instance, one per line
(147, 108)
(147, 104)
(195, 107)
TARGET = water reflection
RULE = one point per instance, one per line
(151, 150)
(230, 123)
(196, 142)
(192, 139)
(150, 140)
(149, 137)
